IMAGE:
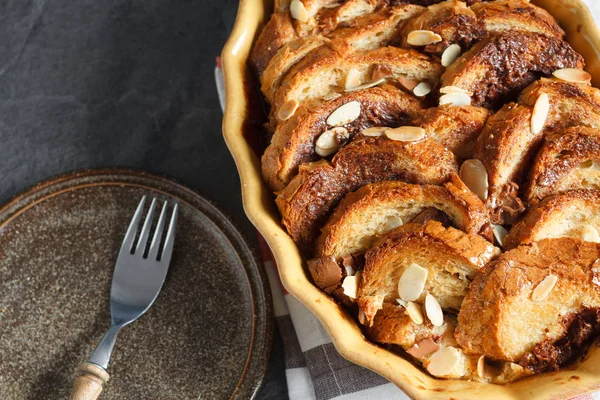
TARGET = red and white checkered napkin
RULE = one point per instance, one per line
(313, 367)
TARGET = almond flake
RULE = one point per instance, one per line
(393, 222)
(287, 110)
(454, 89)
(401, 302)
(406, 133)
(362, 317)
(375, 131)
(444, 361)
(590, 234)
(412, 282)
(434, 311)
(298, 11)
(344, 114)
(499, 233)
(352, 79)
(367, 85)
(474, 175)
(450, 55)
(330, 141)
(350, 271)
(422, 89)
(423, 38)
(482, 369)
(414, 312)
(456, 99)
(423, 348)
(540, 113)
(543, 289)
(350, 285)
(573, 75)
(331, 96)
(409, 84)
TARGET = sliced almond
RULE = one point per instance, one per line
(540, 113)
(298, 11)
(287, 110)
(350, 285)
(422, 89)
(331, 140)
(454, 89)
(352, 79)
(393, 222)
(350, 271)
(590, 234)
(331, 96)
(455, 99)
(423, 38)
(409, 84)
(401, 302)
(474, 175)
(414, 312)
(499, 233)
(483, 371)
(374, 131)
(573, 75)
(434, 311)
(361, 317)
(543, 289)
(450, 55)
(344, 114)
(444, 361)
(367, 85)
(405, 133)
(423, 348)
(412, 282)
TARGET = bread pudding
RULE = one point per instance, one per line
(438, 164)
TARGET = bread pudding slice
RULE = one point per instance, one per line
(309, 199)
(574, 214)
(536, 305)
(375, 209)
(293, 142)
(499, 67)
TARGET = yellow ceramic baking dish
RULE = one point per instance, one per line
(241, 127)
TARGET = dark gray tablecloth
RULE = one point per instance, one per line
(87, 84)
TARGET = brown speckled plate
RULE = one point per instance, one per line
(207, 336)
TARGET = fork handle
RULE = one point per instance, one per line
(89, 383)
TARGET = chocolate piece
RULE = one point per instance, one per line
(325, 272)
(430, 214)
(508, 205)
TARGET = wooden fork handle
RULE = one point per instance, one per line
(89, 383)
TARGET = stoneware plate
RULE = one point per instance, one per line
(242, 129)
(207, 336)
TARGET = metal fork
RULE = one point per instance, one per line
(137, 280)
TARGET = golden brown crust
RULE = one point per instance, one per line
(364, 215)
(499, 318)
(454, 127)
(311, 196)
(510, 15)
(499, 67)
(293, 142)
(568, 159)
(562, 215)
(450, 256)
(276, 33)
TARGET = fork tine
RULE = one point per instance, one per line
(133, 225)
(153, 253)
(168, 248)
(142, 242)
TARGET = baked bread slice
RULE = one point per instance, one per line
(309, 199)
(454, 127)
(293, 142)
(507, 144)
(315, 75)
(375, 209)
(277, 32)
(450, 257)
(568, 159)
(516, 15)
(535, 305)
(453, 21)
(499, 67)
(574, 214)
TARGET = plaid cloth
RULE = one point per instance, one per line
(313, 367)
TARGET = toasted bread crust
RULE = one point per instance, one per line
(499, 319)
(567, 160)
(556, 216)
(311, 196)
(277, 32)
(369, 208)
(293, 142)
(499, 67)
